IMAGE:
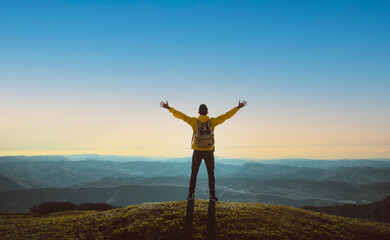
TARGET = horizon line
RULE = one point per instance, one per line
(217, 157)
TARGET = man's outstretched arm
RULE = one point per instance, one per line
(176, 113)
(222, 118)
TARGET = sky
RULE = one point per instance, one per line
(87, 77)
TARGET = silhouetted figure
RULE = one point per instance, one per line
(203, 142)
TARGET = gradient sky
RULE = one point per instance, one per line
(88, 76)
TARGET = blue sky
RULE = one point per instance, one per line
(302, 61)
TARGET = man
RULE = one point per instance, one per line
(203, 142)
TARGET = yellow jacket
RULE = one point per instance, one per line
(193, 121)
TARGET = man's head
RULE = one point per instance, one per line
(203, 109)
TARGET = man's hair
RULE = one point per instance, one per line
(203, 109)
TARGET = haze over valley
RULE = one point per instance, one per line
(122, 181)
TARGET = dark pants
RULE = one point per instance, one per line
(197, 157)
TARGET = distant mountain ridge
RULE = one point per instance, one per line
(123, 191)
(297, 162)
(7, 183)
(286, 182)
(33, 158)
(66, 173)
(311, 163)
(252, 190)
(376, 211)
(23, 200)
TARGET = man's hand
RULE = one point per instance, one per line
(165, 105)
(241, 104)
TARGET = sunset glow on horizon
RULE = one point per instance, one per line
(87, 78)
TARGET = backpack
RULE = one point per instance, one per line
(204, 135)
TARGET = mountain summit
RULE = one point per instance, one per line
(196, 220)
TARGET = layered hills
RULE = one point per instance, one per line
(27, 181)
(376, 211)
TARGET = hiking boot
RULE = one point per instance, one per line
(213, 198)
(191, 197)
